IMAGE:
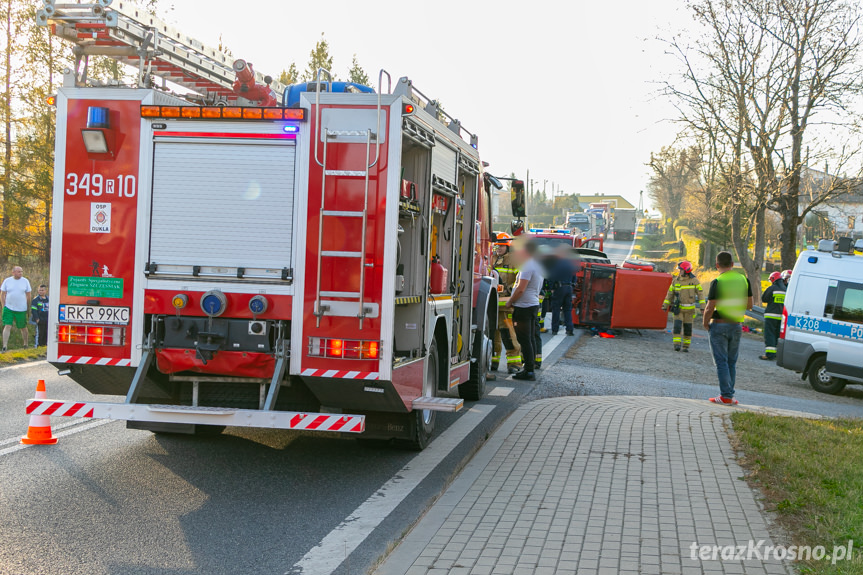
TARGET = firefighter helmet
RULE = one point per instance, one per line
(685, 267)
(774, 276)
(503, 239)
(786, 275)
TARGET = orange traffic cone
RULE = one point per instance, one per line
(39, 431)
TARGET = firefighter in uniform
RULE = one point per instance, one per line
(505, 338)
(683, 296)
(773, 299)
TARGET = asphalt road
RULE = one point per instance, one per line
(107, 500)
(617, 251)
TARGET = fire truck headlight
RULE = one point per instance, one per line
(180, 301)
(95, 141)
(214, 303)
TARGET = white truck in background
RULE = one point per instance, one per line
(581, 224)
(625, 223)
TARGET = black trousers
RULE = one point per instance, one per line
(524, 319)
(561, 299)
(771, 335)
(42, 333)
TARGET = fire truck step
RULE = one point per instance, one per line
(354, 294)
(191, 409)
(347, 173)
(438, 403)
(343, 214)
(338, 254)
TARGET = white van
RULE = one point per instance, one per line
(822, 326)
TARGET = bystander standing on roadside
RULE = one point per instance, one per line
(728, 298)
(39, 315)
(560, 269)
(524, 303)
(15, 298)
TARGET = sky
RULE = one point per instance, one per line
(568, 90)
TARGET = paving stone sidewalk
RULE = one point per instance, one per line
(593, 485)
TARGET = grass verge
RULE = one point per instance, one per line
(811, 475)
(14, 356)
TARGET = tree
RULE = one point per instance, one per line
(319, 58)
(674, 170)
(733, 73)
(820, 41)
(289, 76)
(356, 74)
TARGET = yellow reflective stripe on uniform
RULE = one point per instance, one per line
(514, 359)
(506, 270)
(773, 316)
(678, 286)
(687, 307)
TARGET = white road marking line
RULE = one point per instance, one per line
(500, 391)
(634, 237)
(327, 555)
(552, 344)
(77, 421)
(61, 434)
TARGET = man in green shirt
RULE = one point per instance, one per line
(729, 297)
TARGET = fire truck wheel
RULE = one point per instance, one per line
(474, 388)
(422, 422)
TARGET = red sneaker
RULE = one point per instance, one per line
(723, 400)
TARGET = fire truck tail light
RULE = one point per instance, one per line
(150, 111)
(91, 334)
(344, 349)
(232, 113)
(170, 111)
(189, 112)
(211, 113)
(253, 113)
(336, 348)
(370, 349)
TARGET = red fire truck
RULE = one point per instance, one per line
(218, 260)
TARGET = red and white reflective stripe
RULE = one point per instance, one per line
(325, 422)
(59, 408)
(200, 415)
(341, 374)
(83, 360)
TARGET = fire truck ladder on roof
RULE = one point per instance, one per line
(321, 305)
(129, 34)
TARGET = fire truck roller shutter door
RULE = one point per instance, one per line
(223, 204)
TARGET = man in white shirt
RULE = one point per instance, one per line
(524, 303)
(15, 298)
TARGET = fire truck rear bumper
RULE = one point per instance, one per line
(200, 415)
(234, 363)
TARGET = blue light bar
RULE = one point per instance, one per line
(291, 129)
